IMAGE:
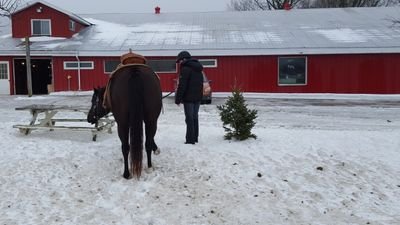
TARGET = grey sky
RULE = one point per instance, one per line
(139, 6)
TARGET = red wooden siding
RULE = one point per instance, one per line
(368, 74)
(250, 73)
(372, 74)
(21, 22)
(93, 78)
(89, 78)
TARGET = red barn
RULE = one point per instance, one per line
(351, 50)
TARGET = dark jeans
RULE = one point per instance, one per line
(192, 121)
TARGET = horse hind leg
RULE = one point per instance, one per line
(125, 153)
(150, 144)
(125, 150)
(148, 153)
(156, 150)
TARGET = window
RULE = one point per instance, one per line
(73, 65)
(41, 27)
(71, 25)
(208, 63)
(159, 66)
(3, 70)
(110, 65)
(292, 71)
(163, 66)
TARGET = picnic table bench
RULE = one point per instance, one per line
(43, 117)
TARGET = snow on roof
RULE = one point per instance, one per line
(5, 26)
(279, 32)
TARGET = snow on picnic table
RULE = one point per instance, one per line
(318, 159)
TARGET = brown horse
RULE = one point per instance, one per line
(134, 97)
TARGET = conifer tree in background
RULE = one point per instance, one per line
(237, 119)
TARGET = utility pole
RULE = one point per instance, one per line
(28, 67)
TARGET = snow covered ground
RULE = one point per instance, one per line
(318, 159)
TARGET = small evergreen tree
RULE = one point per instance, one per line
(237, 119)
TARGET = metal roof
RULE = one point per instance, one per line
(280, 32)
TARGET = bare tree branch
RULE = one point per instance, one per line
(242, 5)
(7, 7)
(395, 22)
(352, 3)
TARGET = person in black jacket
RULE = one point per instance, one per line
(190, 93)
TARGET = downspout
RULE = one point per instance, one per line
(79, 70)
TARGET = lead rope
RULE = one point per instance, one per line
(162, 107)
(167, 94)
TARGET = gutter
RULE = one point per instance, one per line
(79, 70)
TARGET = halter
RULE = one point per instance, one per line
(95, 108)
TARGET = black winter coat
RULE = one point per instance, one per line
(190, 87)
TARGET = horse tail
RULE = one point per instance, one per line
(136, 121)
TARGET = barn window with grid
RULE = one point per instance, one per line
(41, 27)
(158, 66)
(3, 70)
(292, 71)
(83, 65)
(208, 63)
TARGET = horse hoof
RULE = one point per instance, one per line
(126, 175)
(157, 151)
(149, 170)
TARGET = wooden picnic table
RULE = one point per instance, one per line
(43, 117)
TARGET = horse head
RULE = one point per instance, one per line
(97, 110)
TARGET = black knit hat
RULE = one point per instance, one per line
(183, 55)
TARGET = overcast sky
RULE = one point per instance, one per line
(139, 6)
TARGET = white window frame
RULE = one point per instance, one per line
(104, 65)
(8, 70)
(79, 67)
(49, 20)
(72, 25)
(210, 66)
(166, 71)
(305, 71)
